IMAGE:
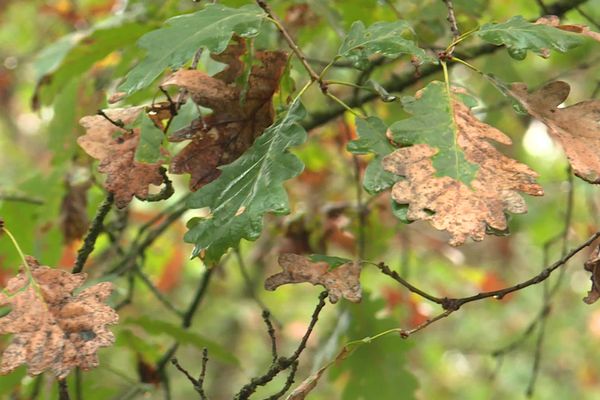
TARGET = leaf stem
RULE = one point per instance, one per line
(466, 64)
(346, 106)
(18, 248)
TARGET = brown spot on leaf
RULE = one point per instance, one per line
(576, 128)
(74, 221)
(115, 148)
(342, 281)
(52, 328)
(240, 112)
(449, 204)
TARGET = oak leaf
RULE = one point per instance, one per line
(553, 20)
(115, 147)
(54, 329)
(239, 114)
(576, 128)
(593, 265)
(342, 281)
(454, 177)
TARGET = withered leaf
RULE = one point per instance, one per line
(54, 329)
(343, 281)
(593, 265)
(222, 136)
(454, 177)
(115, 148)
(576, 128)
(74, 221)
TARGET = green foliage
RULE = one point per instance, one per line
(520, 35)
(151, 138)
(433, 123)
(333, 261)
(373, 139)
(389, 379)
(176, 43)
(154, 326)
(385, 38)
(247, 189)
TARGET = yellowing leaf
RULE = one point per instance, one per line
(340, 282)
(454, 177)
(576, 128)
(52, 328)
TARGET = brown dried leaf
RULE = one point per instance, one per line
(223, 136)
(576, 128)
(450, 204)
(115, 148)
(52, 328)
(593, 265)
(74, 221)
(343, 281)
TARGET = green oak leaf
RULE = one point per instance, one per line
(385, 38)
(377, 368)
(248, 188)
(175, 44)
(332, 261)
(373, 139)
(433, 123)
(151, 138)
(520, 35)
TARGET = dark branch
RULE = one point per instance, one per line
(63, 390)
(197, 383)
(282, 363)
(271, 331)
(90, 240)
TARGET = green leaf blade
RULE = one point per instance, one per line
(385, 38)
(433, 123)
(174, 44)
(332, 261)
(247, 189)
(372, 139)
(151, 138)
(520, 35)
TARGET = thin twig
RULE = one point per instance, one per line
(156, 292)
(288, 38)
(90, 240)
(271, 332)
(452, 19)
(63, 390)
(282, 363)
(542, 6)
(197, 383)
(587, 16)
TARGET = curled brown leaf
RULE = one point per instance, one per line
(593, 265)
(343, 281)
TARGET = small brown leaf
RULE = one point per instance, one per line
(593, 265)
(576, 128)
(52, 328)
(342, 281)
(221, 137)
(115, 148)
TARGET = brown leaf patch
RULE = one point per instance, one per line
(115, 148)
(449, 204)
(593, 265)
(52, 328)
(74, 221)
(224, 135)
(576, 128)
(343, 281)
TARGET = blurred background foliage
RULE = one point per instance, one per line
(42, 97)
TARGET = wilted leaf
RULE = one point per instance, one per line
(115, 147)
(307, 385)
(223, 136)
(373, 139)
(342, 281)
(247, 189)
(454, 177)
(520, 35)
(593, 265)
(576, 128)
(175, 44)
(385, 38)
(74, 219)
(52, 328)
